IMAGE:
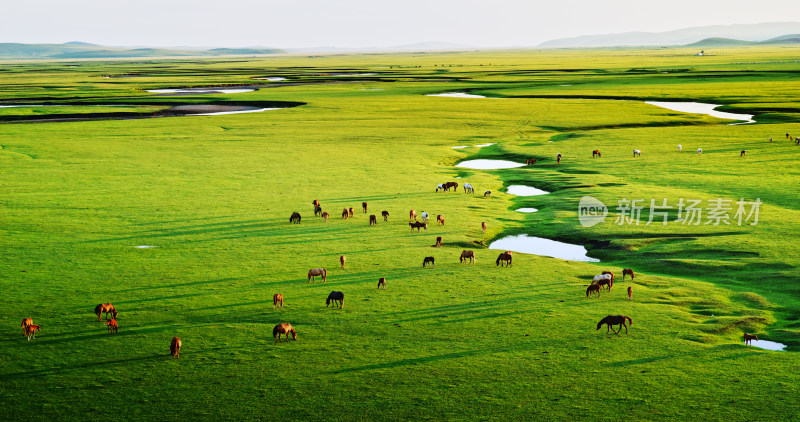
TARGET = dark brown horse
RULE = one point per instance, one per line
(743, 153)
(345, 214)
(317, 211)
(364, 206)
(428, 260)
(373, 220)
(468, 256)
(593, 288)
(417, 225)
(596, 153)
(325, 216)
(504, 257)
(630, 292)
(277, 300)
(175, 348)
(382, 283)
(627, 271)
(615, 320)
(530, 161)
(605, 282)
(107, 308)
(449, 185)
(281, 329)
(748, 339)
(385, 215)
(335, 297)
(438, 242)
(295, 218)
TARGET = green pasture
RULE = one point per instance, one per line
(213, 195)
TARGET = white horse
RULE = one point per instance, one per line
(636, 152)
(439, 186)
(424, 217)
(680, 148)
(699, 151)
(600, 277)
(468, 187)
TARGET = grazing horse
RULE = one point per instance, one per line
(637, 153)
(428, 260)
(488, 194)
(107, 308)
(627, 271)
(25, 324)
(345, 214)
(439, 186)
(558, 158)
(417, 225)
(342, 260)
(335, 297)
(468, 188)
(630, 292)
(743, 153)
(467, 256)
(373, 220)
(364, 206)
(281, 329)
(438, 242)
(680, 147)
(424, 216)
(382, 282)
(440, 220)
(175, 348)
(325, 216)
(112, 326)
(596, 153)
(295, 218)
(351, 212)
(593, 288)
(599, 277)
(449, 185)
(30, 331)
(385, 215)
(317, 211)
(316, 203)
(609, 273)
(748, 339)
(530, 161)
(699, 151)
(605, 282)
(483, 226)
(412, 215)
(314, 272)
(504, 257)
(615, 320)
(277, 300)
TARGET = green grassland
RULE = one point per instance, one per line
(455, 342)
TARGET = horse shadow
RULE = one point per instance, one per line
(70, 368)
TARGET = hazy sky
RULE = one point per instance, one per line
(362, 23)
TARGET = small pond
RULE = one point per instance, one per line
(769, 345)
(522, 190)
(489, 164)
(702, 108)
(526, 210)
(541, 246)
(456, 95)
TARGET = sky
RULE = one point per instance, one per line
(363, 23)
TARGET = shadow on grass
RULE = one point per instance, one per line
(87, 365)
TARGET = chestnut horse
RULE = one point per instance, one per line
(483, 226)
(412, 215)
(335, 297)
(295, 218)
(428, 260)
(107, 308)
(504, 257)
(351, 212)
(440, 220)
(530, 161)
(596, 153)
(175, 347)
(25, 323)
(382, 282)
(467, 256)
(615, 320)
(558, 158)
(364, 206)
(277, 300)
(112, 326)
(314, 272)
(281, 329)
(593, 288)
(316, 203)
(342, 260)
(438, 242)
(373, 220)
(325, 216)
(345, 214)
(31, 330)
(385, 215)
(449, 185)
(748, 339)
(417, 225)
(630, 292)
(627, 271)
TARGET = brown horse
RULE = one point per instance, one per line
(412, 215)
(373, 220)
(345, 214)
(558, 158)
(314, 272)
(342, 260)
(25, 323)
(596, 153)
(743, 153)
(364, 206)
(630, 292)
(31, 330)
(483, 226)
(611, 274)
(440, 220)
(530, 161)
(112, 326)
(385, 215)
(605, 282)
(277, 300)
(351, 212)
(449, 185)
(593, 288)
(504, 257)
(281, 329)
(417, 225)
(295, 218)
(382, 283)
(316, 203)
(468, 256)
(317, 211)
(615, 320)
(325, 216)
(748, 339)
(438, 242)
(175, 348)
(428, 260)
(107, 308)
(627, 271)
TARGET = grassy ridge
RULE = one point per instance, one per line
(215, 194)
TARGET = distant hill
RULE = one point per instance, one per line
(728, 42)
(746, 32)
(81, 50)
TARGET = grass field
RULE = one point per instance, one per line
(214, 194)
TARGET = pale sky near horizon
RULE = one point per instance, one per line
(363, 23)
